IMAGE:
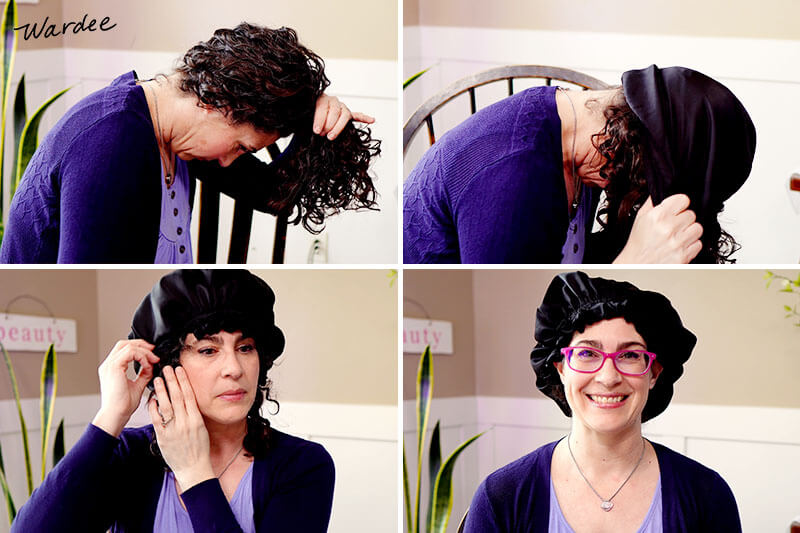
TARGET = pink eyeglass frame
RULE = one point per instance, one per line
(567, 353)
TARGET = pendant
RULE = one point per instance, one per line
(606, 506)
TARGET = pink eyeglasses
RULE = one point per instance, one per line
(589, 360)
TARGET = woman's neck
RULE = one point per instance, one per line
(224, 439)
(605, 452)
(581, 114)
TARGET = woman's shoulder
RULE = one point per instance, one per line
(529, 469)
(288, 449)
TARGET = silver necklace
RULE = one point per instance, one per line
(606, 505)
(231, 461)
(576, 198)
(166, 157)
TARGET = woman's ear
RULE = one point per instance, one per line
(655, 371)
(560, 367)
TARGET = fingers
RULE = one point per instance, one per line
(187, 391)
(176, 396)
(336, 113)
(363, 117)
(321, 113)
(674, 204)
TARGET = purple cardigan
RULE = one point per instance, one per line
(491, 190)
(516, 498)
(104, 482)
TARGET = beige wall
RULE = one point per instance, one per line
(36, 13)
(361, 29)
(746, 352)
(340, 328)
(410, 12)
(771, 19)
(68, 294)
(445, 295)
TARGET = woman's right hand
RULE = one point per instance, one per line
(666, 233)
(120, 396)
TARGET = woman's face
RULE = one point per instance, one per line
(212, 136)
(607, 401)
(223, 371)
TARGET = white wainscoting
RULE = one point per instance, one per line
(758, 71)
(755, 449)
(369, 86)
(362, 439)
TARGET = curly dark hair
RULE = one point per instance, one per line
(620, 144)
(264, 77)
(257, 438)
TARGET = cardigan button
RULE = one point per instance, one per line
(575, 249)
(180, 231)
(175, 211)
(182, 249)
(172, 195)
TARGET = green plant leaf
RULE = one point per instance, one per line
(20, 117)
(47, 397)
(10, 509)
(22, 426)
(8, 49)
(413, 78)
(434, 463)
(29, 140)
(406, 497)
(58, 444)
(443, 489)
(424, 396)
(787, 307)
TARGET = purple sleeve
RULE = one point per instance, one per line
(76, 491)
(110, 194)
(429, 234)
(208, 508)
(481, 516)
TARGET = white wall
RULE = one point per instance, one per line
(361, 439)
(760, 72)
(755, 449)
(364, 85)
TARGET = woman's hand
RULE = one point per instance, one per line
(119, 396)
(180, 431)
(331, 116)
(666, 233)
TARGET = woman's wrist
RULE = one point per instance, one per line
(195, 475)
(111, 423)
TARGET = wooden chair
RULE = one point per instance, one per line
(463, 521)
(424, 114)
(244, 181)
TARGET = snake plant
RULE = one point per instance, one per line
(47, 396)
(440, 474)
(26, 130)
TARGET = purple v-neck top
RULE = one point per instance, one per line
(174, 240)
(651, 523)
(491, 190)
(171, 517)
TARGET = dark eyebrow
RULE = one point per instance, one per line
(621, 346)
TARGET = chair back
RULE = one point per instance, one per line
(424, 114)
(463, 521)
(208, 233)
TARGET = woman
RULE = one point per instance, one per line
(210, 461)
(519, 181)
(608, 354)
(113, 181)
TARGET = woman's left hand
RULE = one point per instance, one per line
(331, 116)
(180, 432)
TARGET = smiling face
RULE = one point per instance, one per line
(223, 371)
(607, 401)
(213, 137)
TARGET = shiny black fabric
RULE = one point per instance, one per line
(700, 141)
(185, 300)
(574, 300)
